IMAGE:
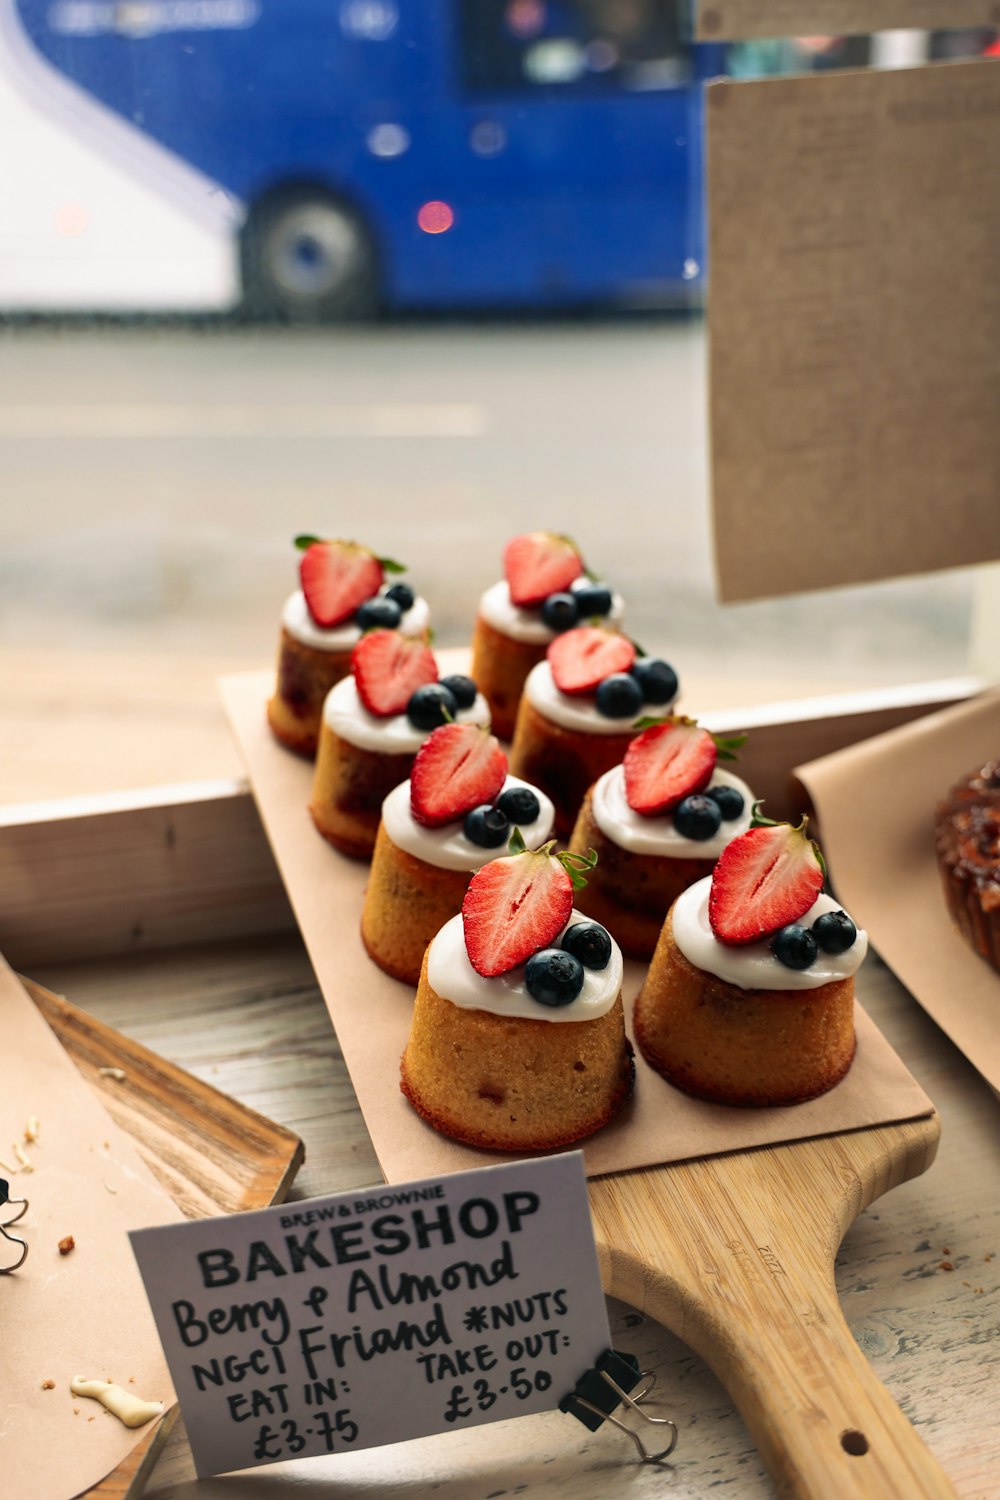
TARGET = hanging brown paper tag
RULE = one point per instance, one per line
(854, 322)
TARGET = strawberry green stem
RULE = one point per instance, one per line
(757, 820)
(574, 864)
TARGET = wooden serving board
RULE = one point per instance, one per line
(212, 1154)
(735, 1254)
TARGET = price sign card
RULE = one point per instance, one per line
(371, 1317)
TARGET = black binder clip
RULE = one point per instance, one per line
(6, 1201)
(614, 1379)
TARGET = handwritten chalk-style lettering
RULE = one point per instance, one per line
(524, 1310)
(534, 1344)
(270, 1318)
(381, 1288)
(315, 1392)
(442, 1366)
(248, 1404)
(231, 1370)
(406, 1335)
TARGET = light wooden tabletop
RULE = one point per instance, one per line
(918, 1274)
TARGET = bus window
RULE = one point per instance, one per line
(574, 46)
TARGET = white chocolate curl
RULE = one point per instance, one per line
(131, 1410)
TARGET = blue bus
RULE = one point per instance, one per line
(416, 153)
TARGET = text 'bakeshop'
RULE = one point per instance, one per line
(391, 1234)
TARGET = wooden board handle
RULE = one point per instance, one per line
(735, 1254)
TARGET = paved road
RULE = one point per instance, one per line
(153, 479)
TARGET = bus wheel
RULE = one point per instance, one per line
(306, 257)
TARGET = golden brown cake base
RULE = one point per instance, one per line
(967, 836)
(407, 901)
(349, 787)
(629, 894)
(746, 1047)
(512, 1084)
(499, 668)
(305, 676)
(563, 762)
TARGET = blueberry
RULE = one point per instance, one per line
(834, 932)
(592, 599)
(794, 946)
(520, 804)
(590, 943)
(560, 611)
(553, 977)
(380, 613)
(619, 696)
(697, 817)
(431, 705)
(401, 594)
(486, 826)
(657, 680)
(730, 801)
(462, 689)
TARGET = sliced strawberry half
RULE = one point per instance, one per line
(388, 668)
(336, 577)
(666, 763)
(513, 907)
(539, 563)
(581, 659)
(459, 767)
(765, 878)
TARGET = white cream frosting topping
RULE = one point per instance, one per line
(346, 715)
(447, 847)
(526, 625)
(452, 976)
(130, 1409)
(642, 835)
(570, 711)
(752, 966)
(300, 624)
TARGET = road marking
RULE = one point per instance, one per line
(369, 419)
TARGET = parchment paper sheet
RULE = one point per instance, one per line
(84, 1313)
(875, 809)
(371, 1012)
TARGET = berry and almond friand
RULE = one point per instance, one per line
(345, 590)
(967, 838)
(517, 1041)
(373, 723)
(749, 998)
(544, 591)
(658, 823)
(581, 708)
(456, 812)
